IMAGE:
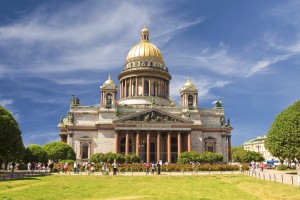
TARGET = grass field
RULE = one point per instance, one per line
(146, 187)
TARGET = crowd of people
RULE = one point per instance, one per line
(154, 167)
(257, 165)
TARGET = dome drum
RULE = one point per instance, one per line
(144, 72)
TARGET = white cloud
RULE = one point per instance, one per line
(86, 36)
(203, 83)
(38, 137)
(263, 64)
(8, 104)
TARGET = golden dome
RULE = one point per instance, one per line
(109, 81)
(144, 51)
(189, 85)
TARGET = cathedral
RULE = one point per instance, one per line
(145, 121)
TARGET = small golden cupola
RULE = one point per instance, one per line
(108, 93)
(189, 95)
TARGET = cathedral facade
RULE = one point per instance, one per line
(145, 121)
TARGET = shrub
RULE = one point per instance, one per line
(281, 167)
(199, 157)
(132, 158)
(99, 157)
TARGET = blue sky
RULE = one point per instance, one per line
(245, 52)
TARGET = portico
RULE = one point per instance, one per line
(153, 143)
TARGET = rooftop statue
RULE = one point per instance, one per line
(218, 104)
(75, 101)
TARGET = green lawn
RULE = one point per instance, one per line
(146, 187)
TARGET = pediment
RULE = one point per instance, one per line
(153, 116)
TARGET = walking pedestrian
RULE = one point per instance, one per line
(262, 166)
(75, 167)
(158, 168)
(147, 168)
(103, 168)
(115, 167)
(153, 168)
(253, 166)
(29, 166)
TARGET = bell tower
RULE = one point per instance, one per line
(189, 95)
(108, 93)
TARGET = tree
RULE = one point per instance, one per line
(35, 153)
(239, 154)
(283, 138)
(59, 151)
(11, 143)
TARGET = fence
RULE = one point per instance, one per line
(275, 177)
(17, 175)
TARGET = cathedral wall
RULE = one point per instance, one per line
(221, 144)
(106, 141)
(84, 119)
(106, 117)
(77, 138)
(211, 117)
(196, 141)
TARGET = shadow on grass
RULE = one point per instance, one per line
(32, 177)
(291, 173)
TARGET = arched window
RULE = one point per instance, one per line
(210, 147)
(210, 144)
(146, 88)
(85, 151)
(190, 100)
(108, 99)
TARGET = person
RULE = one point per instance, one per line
(193, 167)
(13, 165)
(75, 167)
(92, 168)
(103, 168)
(153, 168)
(158, 168)
(115, 167)
(86, 167)
(298, 173)
(51, 167)
(89, 168)
(39, 166)
(58, 167)
(107, 169)
(29, 166)
(253, 166)
(66, 167)
(262, 166)
(147, 168)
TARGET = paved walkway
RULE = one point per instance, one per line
(286, 177)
